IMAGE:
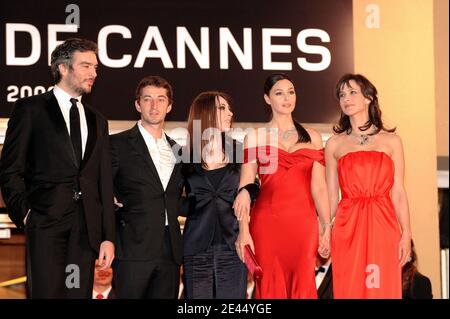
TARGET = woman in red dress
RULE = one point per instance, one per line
(371, 237)
(284, 231)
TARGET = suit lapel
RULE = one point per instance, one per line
(92, 134)
(138, 142)
(56, 117)
(325, 282)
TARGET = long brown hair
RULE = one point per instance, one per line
(204, 108)
(370, 92)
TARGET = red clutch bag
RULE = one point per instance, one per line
(252, 264)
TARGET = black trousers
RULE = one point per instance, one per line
(216, 273)
(60, 261)
(148, 279)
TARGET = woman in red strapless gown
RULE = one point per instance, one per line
(284, 230)
(284, 225)
(371, 235)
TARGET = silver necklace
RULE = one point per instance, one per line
(286, 134)
(361, 139)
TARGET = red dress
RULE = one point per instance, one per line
(366, 233)
(283, 222)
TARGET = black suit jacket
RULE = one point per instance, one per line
(112, 294)
(141, 220)
(39, 171)
(325, 290)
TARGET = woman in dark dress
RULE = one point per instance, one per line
(414, 284)
(212, 268)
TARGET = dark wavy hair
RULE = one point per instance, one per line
(303, 135)
(370, 92)
(63, 54)
(409, 269)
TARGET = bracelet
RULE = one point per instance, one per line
(252, 189)
(326, 224)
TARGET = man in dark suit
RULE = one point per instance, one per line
(148, 185)
(324, 278)
(55, 176)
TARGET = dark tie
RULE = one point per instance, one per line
(320, 269)
(75, 130)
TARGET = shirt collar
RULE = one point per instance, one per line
(63, 97)
(104, 293)
(149, 136)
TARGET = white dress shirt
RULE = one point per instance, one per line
(105, 293)
(63, 99)
(162, 156)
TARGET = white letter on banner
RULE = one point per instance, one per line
(11, 58)
(269, 48)
(184, 39)
(313, 49)
(103, 46)
(160, 52)
(243, 56)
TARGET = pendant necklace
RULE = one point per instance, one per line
(287, 134)
(361, 139)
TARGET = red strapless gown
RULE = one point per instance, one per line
(366, 233)
(283, 222)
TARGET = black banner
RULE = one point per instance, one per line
(230, 46)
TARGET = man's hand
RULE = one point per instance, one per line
(106, 254)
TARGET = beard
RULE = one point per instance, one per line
(76, 85)
(80, 89)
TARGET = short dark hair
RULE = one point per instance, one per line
(63, 54)
(157, 81)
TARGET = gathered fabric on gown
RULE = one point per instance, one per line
(283, 222)
(366, 233)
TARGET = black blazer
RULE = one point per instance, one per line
(141, 220)
(325, 290)
(112, 294)
(39, 171)
(206, 204)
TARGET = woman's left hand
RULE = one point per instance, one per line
(324, 242)
(404, 249)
